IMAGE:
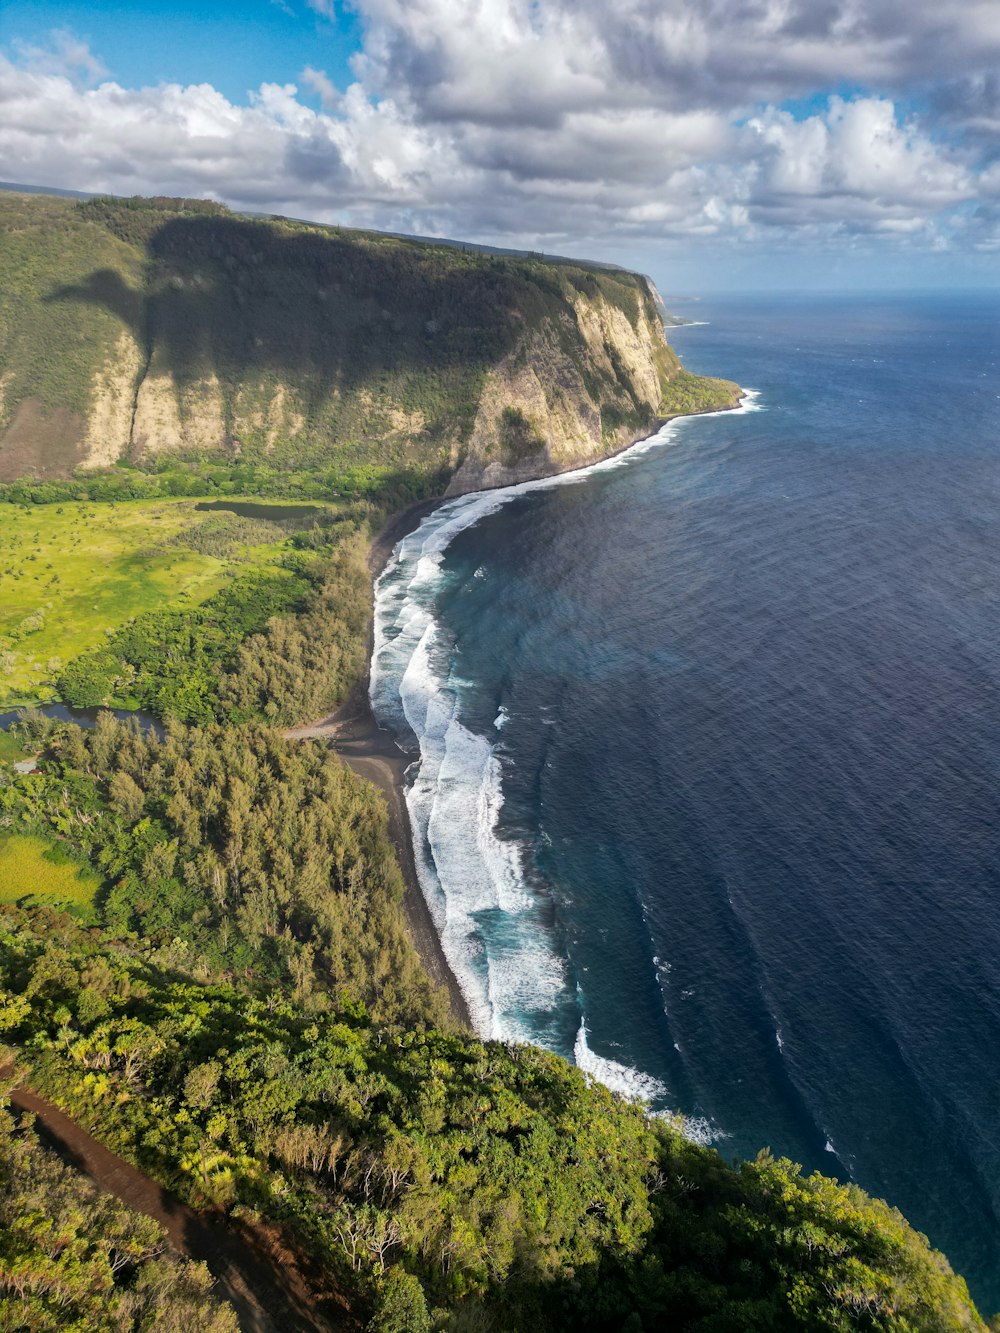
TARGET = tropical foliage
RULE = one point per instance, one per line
(448, 1181)
(72, 1257)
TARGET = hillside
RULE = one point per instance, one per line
(134, 330)
(247, 1025)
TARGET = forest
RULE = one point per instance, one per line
(73, 1257)
(239, 1012)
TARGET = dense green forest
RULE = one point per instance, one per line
(240, 1013)
(232, 851)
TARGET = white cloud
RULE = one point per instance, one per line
(550, 122)
(856, 161)
(65, 54)
(321, 85)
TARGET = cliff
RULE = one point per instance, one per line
(133, 329)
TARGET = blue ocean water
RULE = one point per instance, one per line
(708, 795)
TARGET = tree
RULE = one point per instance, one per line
(400, 1306)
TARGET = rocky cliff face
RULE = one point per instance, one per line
(146, 328)
(539, 412)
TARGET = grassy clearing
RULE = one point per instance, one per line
(71, 573)
(35, 869)
(11, 748)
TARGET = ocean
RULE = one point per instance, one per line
(708, 795)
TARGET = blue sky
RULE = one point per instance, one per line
(234, 46)
(713, 143)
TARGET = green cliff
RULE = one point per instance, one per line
(135, 329)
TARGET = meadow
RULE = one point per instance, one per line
(73, 573)
(32, 868)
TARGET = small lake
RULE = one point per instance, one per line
(83, 717)
(273, 513)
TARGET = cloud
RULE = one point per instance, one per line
(546, 122)
(534, 60)
(64, 54)
(321, 85)
(857, 159)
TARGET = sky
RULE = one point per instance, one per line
(716, 144)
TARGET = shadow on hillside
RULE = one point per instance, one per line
(322, 312)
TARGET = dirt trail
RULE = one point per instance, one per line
(259, 1275)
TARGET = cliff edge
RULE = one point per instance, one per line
(136, 329)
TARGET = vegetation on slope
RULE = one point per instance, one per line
(305, 347)
(72, 1257)
(517, 1195)
(241, 1029)
(51, 350)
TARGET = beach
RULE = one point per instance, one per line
(371, 752)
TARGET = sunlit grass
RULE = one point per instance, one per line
(11, 748)
(31, 868)
(71, 572)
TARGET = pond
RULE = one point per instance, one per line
(273, 512)
(83, 717)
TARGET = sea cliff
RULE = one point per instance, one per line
(136, 330)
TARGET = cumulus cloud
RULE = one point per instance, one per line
(856, 161)
(547, 121)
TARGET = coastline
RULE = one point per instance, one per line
(372, 753)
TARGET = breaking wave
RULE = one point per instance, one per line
(494, 923)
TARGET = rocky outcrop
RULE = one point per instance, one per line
(109, 425)
(173, 418)
(552, 391)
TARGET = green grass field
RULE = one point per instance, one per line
(69, 573)
(11, 749)
(35, 869)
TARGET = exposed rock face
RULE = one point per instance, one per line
(170, 418)
(109, 427)
(548, 388)
(159, 327)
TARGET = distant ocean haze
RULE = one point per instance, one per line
(708, 794)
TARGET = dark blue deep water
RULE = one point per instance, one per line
(728, 717)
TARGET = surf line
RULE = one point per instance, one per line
(513, 979)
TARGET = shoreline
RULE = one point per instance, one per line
(372, 753)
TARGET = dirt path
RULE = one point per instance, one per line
(255, 1271)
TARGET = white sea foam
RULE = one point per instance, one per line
(630, 1083)
(701, 1130)
(468, 872)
